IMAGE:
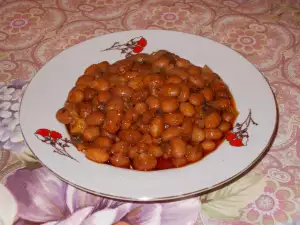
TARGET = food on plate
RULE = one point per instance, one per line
(148, 112)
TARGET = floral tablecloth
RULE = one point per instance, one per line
(266, 32)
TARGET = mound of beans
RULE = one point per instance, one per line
(148, 112)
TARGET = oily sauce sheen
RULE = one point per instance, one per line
(148, 112)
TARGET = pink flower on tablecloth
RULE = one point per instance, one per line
(19, 22)
(275, 205)
(262, 43)
(246, 40)
(45, 199)
(24, 23)
(169, 16)
(188, 17)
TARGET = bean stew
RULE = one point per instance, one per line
(148, 112)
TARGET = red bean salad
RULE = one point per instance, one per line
(148, 112)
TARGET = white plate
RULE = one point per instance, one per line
(48, 91)
(8, 206)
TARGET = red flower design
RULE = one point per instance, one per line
(55, 135)
(43, 132)
(55, 139)
(135, 45)
(239, 136)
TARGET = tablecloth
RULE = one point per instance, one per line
(266, 32)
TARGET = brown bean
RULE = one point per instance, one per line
(91, 133)
(222, 94)
(196, 81)
(144, 162)
(89, 94)
(153, 102)
(142, 68)
(179, 162)
(225, 126)
(196, 99)
(103, 142)
(228, 116)
(120, 160)
(80, 87)
(147, 139)
(156, 141)
(136, 83)
(198, 134)
(105, 133)
(160, 64)
(113, 120)
(195, 70)
(140, 96)
(178, 147)
(84, 81)
(182, 73)
(100, 85)
(194, 153)
(212, 120)
(140, 57)
(122, 91)
(91, 69)
(153, 81)
(157, 127)
(187, 127)
(171, 90)
(208, 146)
(187, 109)
(174, 119)
(199, 122)
(213, 134)
(220, 104)
(97, 155)
(141, 107)
(75, 96)
(95, 119)
(131, 74)
(115, 80)
(169, 104)
(102, 66)
(115, 104)
(154, 91)
(143, 148)
(82, 147)
(63, 116)
(121, 67)
(219, 86)
(104, 96)
(77, 127)
(170, 133)
(120, 147)
(133, 152)
(156, 151)
(84, 109)
(208, 77)
(166, 147)
(183, 63)
(143, 128)
(129, 117)
(174, 79)
(184, 94)
(208, 94)
(130, 136)
(147, 117)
